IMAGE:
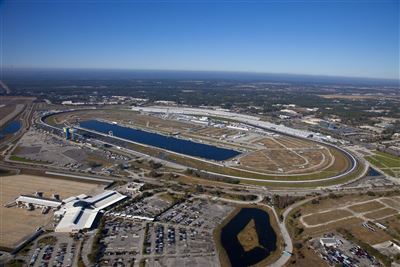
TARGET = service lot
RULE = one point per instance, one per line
(196, 213)
(345, 253)
(122, 241)
(18, 223)
(147, 207)
(40, 147)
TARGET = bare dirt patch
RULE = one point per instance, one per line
(381, 213)
(368, 236)
(270, 143)
(365, 207)
(329, 227)
(391, 202)
(248, 237)
(325, 217)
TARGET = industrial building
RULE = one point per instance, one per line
(37, 201)
(80, 212)
(328, 242)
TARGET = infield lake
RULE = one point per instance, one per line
(170, 143)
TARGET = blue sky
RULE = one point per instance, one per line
(345, 38)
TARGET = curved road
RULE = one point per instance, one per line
(288, 248)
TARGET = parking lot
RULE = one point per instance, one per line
(192, 261)
(39, 146)
(200, 214)
(181, 234)
(343, 252)
(60, 251)
(122, 241)
(169, 239)
(148, 207)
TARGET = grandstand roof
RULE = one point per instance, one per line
(81, 213)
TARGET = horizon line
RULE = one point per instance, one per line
(5, 68)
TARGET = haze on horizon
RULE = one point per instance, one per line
(354, 38)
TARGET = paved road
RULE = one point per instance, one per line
(288, 249)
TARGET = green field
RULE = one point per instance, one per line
(387, 163)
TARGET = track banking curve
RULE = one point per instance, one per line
(257, 124)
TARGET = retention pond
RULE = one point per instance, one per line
(239, 254)
(10, 128)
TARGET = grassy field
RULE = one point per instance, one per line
(387, 159)
(339, 165)
(325, 217)
(21, 222)
(340, 180)
(25, 160)
(392, 203)
(381, 213)
(248, 237)
(332, 203)
(389, 164)
(47, 240)
(286, 161)
(365, 207)
(393, 224)
(300, 234)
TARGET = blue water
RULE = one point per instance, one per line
(373, 172)
(11, 128)
(266, 237)
(157, 140)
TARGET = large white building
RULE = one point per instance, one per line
(80, 212)
(38, 201)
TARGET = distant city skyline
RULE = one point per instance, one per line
(334, 38)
